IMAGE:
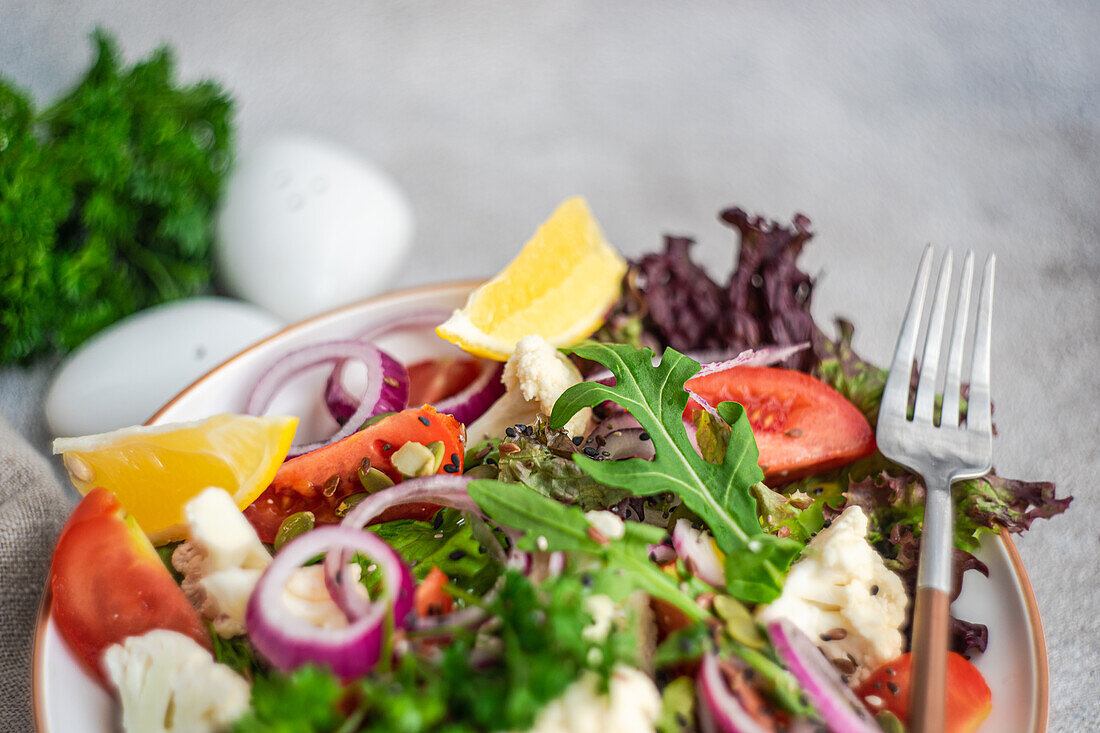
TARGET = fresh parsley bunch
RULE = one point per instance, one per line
(106, 199)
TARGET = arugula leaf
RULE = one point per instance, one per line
(549, 525)
(719, 494)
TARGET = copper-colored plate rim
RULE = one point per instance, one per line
(1038, 639)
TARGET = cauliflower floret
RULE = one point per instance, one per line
(306, 597)
(535, 376)
(632, 703)
(167, 682)
(842, 595)
(222, 560)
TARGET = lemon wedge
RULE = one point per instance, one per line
(559, 287)
(155, 470)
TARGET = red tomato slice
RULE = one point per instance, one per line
(437, 379)
(801, 425)
(319, 480)
(108, 583)
(430, 598)
(968, 697)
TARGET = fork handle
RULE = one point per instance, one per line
(927, 691)
(931, 620)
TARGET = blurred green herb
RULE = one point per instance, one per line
(106, 199)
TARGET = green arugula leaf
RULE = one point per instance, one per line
(447, 541)
(721, 495)
(549, 525)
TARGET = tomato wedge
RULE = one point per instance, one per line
(802, 425)
(108, 583)
(319, 480)
(430, 597)
(968, 697)
(437, 379)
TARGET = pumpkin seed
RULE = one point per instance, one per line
(739, 622)
(349, 502)
(373, 480)
(296, 524)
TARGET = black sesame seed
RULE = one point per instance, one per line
(587, 580)
(644, 435)
(681, 720)
(424, 420)
(874, 590)
(877, 685)
(578, 440)
(890, 671)
(450, 468)
(510, 432)
(387, 446)
(492, 462)
(590, 452)
(818, 490)
(892, 688)
(438, 521)
(827, 523)
(454, 458)
(457, 555)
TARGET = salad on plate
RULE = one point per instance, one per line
(644, 501)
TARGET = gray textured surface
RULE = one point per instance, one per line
(967, 125)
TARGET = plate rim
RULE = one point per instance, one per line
(1035, 623)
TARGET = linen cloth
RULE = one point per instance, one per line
(32, 511)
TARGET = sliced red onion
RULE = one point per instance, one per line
(441, 489)
(841, 710)
(351, 651)
(721, 711)
(765, 356)
(622, 443)
(720, 361)
(394, 397)
(696, 549)
(478, 396)
(662, 554)
(298, 361)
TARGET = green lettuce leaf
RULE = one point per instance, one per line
(721, 495)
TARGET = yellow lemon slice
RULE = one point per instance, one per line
(155, 470)
(559, 287)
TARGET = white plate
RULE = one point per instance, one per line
(67, 700)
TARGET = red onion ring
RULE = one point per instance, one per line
(721, 711)
(351, 651)
(298, 361)
(478, 396)
(697, 551)
(765, 356)
(342, 404)
(444, 490)
(841, 710)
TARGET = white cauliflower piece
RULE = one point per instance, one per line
(307, 598)
(842, 595)
(632, 703)
(221, 562)
(535, 376)
(167, 682)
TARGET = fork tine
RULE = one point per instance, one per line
(924, 407)
(978, 413)
(895, 395)
(950, 411)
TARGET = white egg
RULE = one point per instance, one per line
(306, 226)
(126, 372)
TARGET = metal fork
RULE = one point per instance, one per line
(942, 454)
